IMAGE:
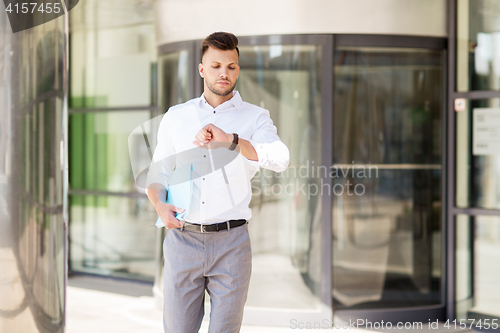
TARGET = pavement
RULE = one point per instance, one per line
(96, 305)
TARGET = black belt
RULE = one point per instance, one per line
(213, 227)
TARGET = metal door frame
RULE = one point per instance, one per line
(418, 313)
(452, 208)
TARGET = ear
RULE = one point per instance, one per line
(201, 70)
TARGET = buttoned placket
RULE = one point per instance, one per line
(208, 158)
(208, 163)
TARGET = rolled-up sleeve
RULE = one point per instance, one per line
(163, 162)
(272, 153)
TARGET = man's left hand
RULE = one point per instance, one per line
(210, 136)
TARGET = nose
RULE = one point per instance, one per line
(223, 74)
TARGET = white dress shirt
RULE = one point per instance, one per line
(221, 178)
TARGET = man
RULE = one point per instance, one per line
(210, 249)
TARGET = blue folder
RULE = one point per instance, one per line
(179, 191)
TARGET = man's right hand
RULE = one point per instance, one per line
(167, 214)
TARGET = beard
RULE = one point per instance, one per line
(221, 91)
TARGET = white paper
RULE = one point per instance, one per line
(486, 131)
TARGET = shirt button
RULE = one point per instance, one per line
(204, 155)
(214, 111)
(203, 202)
(203, 178)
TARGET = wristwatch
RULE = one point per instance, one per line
(235, 142)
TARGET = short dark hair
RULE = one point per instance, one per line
(220, 40)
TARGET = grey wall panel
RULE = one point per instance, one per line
(33, 180)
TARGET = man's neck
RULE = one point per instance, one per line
(216, 100)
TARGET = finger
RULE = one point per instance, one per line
(169, 224)
(179, 209)
(203, 138)
(206, 134)
(200, 136)
(200, 145)
(200, 141)
(173, 223)
(206, 131)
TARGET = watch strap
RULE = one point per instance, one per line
(235, 142)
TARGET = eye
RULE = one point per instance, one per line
(215, 66)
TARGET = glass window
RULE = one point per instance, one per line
(110, 235)
(99, 156)
(33, 136)
(478, 154)
(173, 82)
(478, 291)
(478, 40)
(113, 235)
(387, 169)
(112, 67)
(285, 228)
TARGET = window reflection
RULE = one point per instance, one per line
(387, 234)
(174, 80)
(478, 38)
(99, 154)
(478, 292)
(113, 66)
(101, 151)
(112, 235)
(118, 70)
(286, 222)
(478, 173)
(32, 179)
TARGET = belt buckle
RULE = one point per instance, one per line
(202, 228)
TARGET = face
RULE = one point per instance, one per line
(220, 71)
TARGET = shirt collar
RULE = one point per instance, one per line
(235, 101)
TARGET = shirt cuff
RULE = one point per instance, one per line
(271, 155)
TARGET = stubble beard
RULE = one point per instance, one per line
(218, 92)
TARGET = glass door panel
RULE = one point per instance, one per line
(477, 271)
(478, 155)
(285, 228)
(387, 169)
(112, 235)
(111, 220)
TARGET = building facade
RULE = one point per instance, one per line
(390, 209)
(381, 214)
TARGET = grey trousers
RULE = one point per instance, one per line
(219, 262)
